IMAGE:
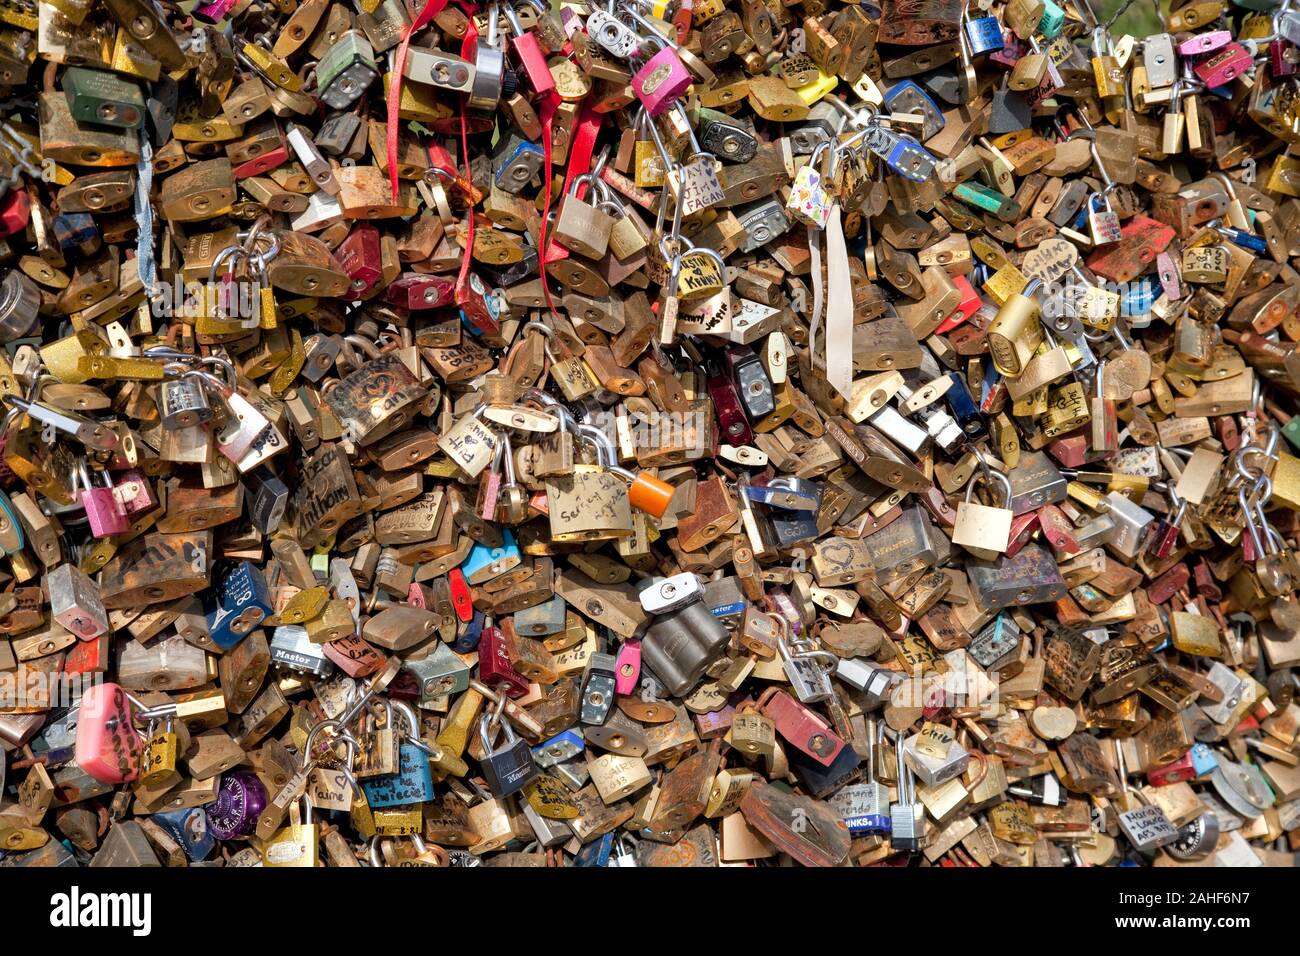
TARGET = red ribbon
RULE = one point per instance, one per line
(582, 147)
(431, 9)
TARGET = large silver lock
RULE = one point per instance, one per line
(612, 34)
(489, 67)
(293, 650)
(934, 770)
(907, 816)
(685, 637)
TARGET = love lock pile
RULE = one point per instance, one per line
(648, 433)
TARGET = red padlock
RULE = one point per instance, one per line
(802, 728)
(1058, 530)
(359, 255)
(532, 61)
(496, 669)
(461, 598)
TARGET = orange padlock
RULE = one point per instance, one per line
(650, 494)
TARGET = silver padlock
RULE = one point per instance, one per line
(75, 602)
(807, 667)
(868, 677)
(291, 649)
(183, 401)
(440, 672)
(684, 637)
(933, 771)
(489, 67)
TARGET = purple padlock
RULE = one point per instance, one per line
(661, 81)
(241, 798)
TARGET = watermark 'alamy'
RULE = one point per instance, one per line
(75, 909)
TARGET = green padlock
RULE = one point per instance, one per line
(96, 96)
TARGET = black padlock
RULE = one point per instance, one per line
(267, 498)
(509, 769)
(1008, 112)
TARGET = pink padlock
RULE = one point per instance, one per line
(1012, 50)
(627, 667)
(1204, 43)
(108, 746)
(133, 492)
(661, 81)
(215, 11)
(1224, 65)
(104, 512)
(15, 210)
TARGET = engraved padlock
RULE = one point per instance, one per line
(806, 666)
(184, 401)
(582, 227)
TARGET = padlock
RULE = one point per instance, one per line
(296, 845)
(581, 227)
(684, 637)
(240, 605)
(984, 531)
(104, 512)
(184, 401)
(108, 747)
(510, 768)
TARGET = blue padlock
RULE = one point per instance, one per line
(910, 160)
(984, 34)
(907, 97)
(1203, 759)
(189, 828)
(790, 494)
(242, 602)
(1245, 240)
(1138, 297)
(563, 746)
(484, 563)
(413, 782)
(76, 232)
(962, 407)
(595, 853)
(470, 633)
